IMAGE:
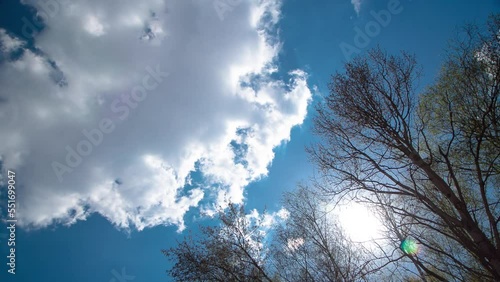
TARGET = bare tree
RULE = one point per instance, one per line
(311, 245)
(428, 164)
(231, 251)
(431, 162)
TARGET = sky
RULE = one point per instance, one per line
(126, 123)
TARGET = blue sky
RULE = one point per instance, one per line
(206, 74)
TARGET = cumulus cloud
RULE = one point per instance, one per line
(268, 220)
(294, 244)
(357, 5)
(121, 101)
(9, 43)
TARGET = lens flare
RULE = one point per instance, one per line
(409, 246)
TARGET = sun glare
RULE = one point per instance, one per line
(360, 224)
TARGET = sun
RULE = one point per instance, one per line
(360, 224)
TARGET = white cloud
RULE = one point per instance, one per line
(357, 5)
(95, 53)
(268, 220)
(294, 244)
(9, 43)
(93, 26)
